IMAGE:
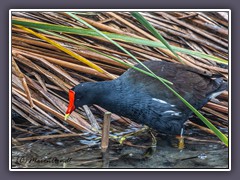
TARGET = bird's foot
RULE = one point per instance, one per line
(123, 138)
(180, 138)
(150, 151)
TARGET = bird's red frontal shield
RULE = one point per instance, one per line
(71, 105)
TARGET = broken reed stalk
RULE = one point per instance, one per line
(73, 66)
(218, 114)
(43, 137)
(91, 118)
(21, 76)
(217, 107)
(15, 142)
(193, 28)
(146, 34)
(21, 129)
(201, 127)
(118, 118)
(68, 51)
(52, 111)
(21, 113)
(105, 131)
(192, 139)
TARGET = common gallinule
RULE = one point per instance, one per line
(146, 100)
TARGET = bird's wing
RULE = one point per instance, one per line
(192, 86)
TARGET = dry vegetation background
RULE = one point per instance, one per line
(42, 73)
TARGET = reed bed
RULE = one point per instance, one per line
(46, 64)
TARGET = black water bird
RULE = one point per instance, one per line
(145, 99)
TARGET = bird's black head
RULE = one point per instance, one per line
(82, 94)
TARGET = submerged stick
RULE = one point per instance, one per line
(105, 131)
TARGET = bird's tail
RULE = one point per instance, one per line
(221, 86)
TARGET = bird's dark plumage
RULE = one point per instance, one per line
(146, 100)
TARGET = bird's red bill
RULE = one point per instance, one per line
(71, 106)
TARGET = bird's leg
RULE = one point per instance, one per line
(123, 138)
(149, 152)
(181, 140)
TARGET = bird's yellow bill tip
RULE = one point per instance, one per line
(66, 116)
